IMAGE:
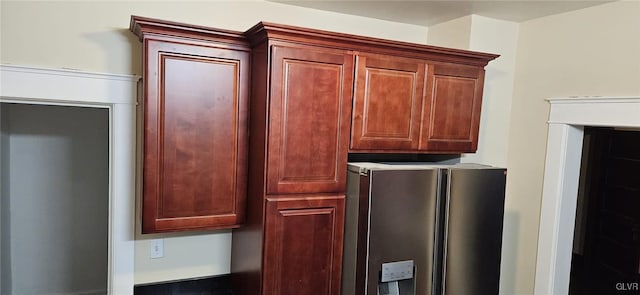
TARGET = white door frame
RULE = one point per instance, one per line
(567, 119)
(29, 85)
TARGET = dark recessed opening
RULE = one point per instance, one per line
(606, 247)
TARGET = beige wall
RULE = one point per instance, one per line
(94, 36)
(593, 51)
(500, 37)
(455, 33)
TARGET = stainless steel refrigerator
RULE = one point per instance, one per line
(423, 229)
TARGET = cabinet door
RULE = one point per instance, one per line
(451, 116)
(195, 138)
(303, 246)
(388, 102)
(309, 120)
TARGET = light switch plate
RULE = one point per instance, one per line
(156, 248)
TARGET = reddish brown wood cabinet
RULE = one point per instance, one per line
(303, 245)
(300, 122)
(309, 113)
(451, 117)
(387, 103)
(195, 100)
(416, 106)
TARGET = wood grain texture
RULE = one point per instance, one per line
(144, 26)
(303, 245)
(452, 110)
(387, 103)
(451, 113)
(195, 136)
(309, 120)
(300, 35)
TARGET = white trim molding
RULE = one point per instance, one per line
(30, 85)
(567, 119)
(63, 85)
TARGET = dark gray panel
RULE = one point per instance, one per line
(350, 252)
(474, 231)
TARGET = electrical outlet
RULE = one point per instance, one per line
(156, 248)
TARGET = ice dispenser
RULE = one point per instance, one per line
(397, 278)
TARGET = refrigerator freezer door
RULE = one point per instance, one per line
(402, 224)
(473, 235)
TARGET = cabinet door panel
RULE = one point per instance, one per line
(388, 102)
(451, 104)
(309, 120)
(451, 119)
(195, 137)
(303, 245)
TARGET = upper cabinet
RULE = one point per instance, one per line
(195, 106)
(387, 103)
(315, 97)
(309, 111)
(404, 105)
(451, 117)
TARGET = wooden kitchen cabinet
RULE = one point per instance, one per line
(299, 139)
(278, 167)
(303, 245)
(451, 118)
(387, 103)
(195, 106)
(415, 106)
(300, 122)
(309, 113)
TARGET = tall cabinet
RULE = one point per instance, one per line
(300, 121)
(308, 127)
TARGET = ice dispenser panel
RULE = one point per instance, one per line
(397, 278)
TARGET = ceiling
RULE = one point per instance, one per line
(427, 13)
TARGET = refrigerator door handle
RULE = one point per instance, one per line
(442, 231)
(445, 244)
